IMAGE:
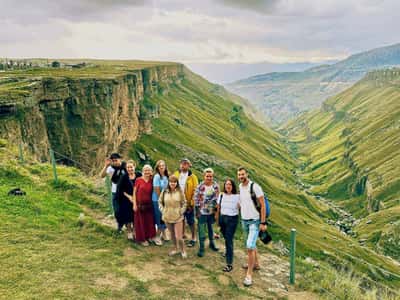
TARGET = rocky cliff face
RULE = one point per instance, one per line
(85, 118)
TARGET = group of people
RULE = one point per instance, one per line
(155, 207)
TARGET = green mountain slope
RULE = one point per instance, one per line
(282, 96)
(183, 115)
(351, 154)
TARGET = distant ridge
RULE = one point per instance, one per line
(281, 96)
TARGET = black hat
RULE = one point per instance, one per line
(115, 156)
(265, 237)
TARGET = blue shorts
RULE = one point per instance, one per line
(158, 217)
(251, 229)
(189, 217)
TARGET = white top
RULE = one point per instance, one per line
(110, 171)
(229, 206)
(247, 208)
(182, 180)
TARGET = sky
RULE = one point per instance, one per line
(223, 40)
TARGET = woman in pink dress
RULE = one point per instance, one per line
(143, 207)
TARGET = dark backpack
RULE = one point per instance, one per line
(257, 205)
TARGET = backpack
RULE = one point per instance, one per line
(257, 205)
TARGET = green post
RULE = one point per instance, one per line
(53, 162)
(21, 153)
(109, 193)
(292, 255)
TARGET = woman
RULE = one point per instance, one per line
(160, 182)
(143, 208)
(124, 190)
(228, 216)
(172, 204)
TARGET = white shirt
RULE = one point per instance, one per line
(182, 180)
(247, 208)
(110, 171)
(229, 206)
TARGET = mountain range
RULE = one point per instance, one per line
(281, 96)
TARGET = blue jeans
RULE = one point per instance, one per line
(251, 229)
(115, 206)
(158, 217)
(228, 226)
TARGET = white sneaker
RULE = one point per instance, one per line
(158, 241)
(248, 281)
(130, 236)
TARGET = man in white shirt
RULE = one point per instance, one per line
(111, 164)
(253, 220)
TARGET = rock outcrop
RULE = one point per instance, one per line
(85, 118)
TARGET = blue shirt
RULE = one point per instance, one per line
(161, 182)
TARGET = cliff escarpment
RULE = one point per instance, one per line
(83, 117)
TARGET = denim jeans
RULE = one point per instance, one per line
(228, 226)
(115, 206)
(158, 217)
(250, 230)
(205, 222)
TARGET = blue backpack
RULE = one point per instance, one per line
(257, 205)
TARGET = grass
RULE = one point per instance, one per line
(195, 121)
(354, 159)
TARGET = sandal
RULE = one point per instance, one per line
(228, 268)
(255, 268)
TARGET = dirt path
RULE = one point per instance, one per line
(203, 277)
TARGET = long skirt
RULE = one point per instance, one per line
(144, 224)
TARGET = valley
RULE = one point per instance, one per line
(314, 173)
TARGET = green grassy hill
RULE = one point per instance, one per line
(200, 121)
(283, 96)
(351, 155)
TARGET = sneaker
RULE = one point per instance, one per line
(191, 243)
(213, 247)
(158, 241)
(247, 281)
(130, 236)
(184, 255)
(145, 244)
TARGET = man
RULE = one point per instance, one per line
(188, 182)
(114, 168)
(205, 200)
(252, 220)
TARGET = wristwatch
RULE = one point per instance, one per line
(264, 223)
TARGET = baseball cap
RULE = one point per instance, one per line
(115, 156)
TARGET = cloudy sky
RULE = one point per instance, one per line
(222, 39)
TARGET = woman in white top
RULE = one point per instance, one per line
(228, 217)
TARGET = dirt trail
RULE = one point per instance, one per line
(203, 277)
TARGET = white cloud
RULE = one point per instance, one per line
(225, 31)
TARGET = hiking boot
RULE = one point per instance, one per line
(213, 247)
(200, 253)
